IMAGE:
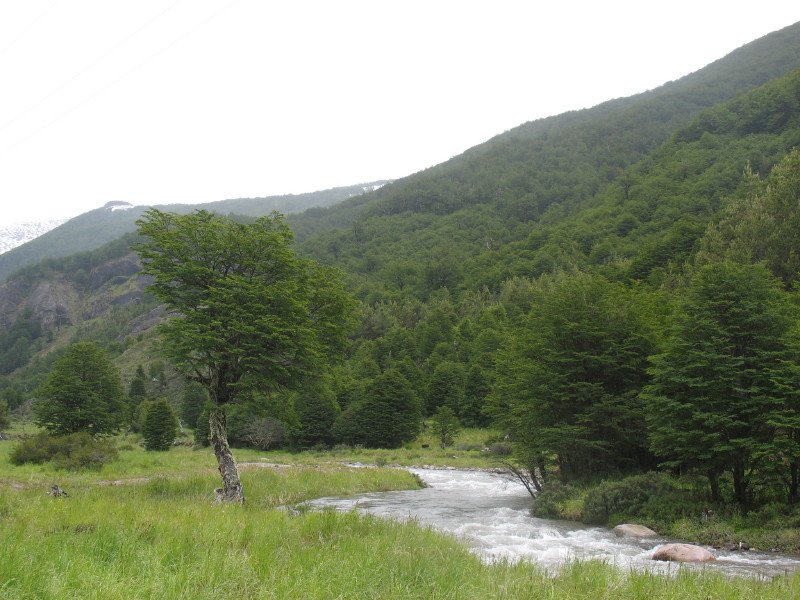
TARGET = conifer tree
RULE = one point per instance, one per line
(160, 425)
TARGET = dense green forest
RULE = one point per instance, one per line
(612, 288)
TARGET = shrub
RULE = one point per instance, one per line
(651, 495)
(76, 451)
(500, 449)
(264, 433)
(548, 503)
(160, 426)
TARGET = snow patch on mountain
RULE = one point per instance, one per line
(17, 234)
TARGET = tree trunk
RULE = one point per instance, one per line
(793, 492)
(713, 483)
(739, 483)
(231, 490)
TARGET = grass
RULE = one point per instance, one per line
(161, 536)
(164, 539)
(468, 452)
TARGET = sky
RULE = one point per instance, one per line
(159, 101)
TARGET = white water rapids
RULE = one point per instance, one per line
(491, 513)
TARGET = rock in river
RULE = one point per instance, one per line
(683, 553)
(633, 530)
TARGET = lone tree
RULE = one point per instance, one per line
(159, 426)
(247, 312)
(83, 393)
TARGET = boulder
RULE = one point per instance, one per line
(633, 530)
(683, 553)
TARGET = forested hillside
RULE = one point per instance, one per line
(548, 282)
(96, 227)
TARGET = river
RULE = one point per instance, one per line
(491, 513)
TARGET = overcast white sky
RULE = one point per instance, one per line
(196, 100)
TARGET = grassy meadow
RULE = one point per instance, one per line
(145, 526)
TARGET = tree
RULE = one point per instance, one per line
(445, 426)
(160, 426)
(387, 417)
(192, 402)
(567, 384)
(248, 312)
(316, 410)
(4, 420)
(83, 393)
(446, 387)
(726, 378)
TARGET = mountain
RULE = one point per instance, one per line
(17, 234)
(97, 227)
(443, 260)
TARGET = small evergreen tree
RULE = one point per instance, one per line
(445, 426)
(317, 411)
(160, 426)
(446, 387)
(82, 393)
(387, 417)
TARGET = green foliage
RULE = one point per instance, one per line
(18, 343)
(567, 384)
(82, 393)
(388, 416)
(254, 314)
(192, 401)
(723, 395)
(316, 411)
(763, 225)
(201, 430)
(446, 387)
(159, 425)
(635, 496)
(76, 451)
(445, 426)
(5, 421)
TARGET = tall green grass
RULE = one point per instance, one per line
(165, 539)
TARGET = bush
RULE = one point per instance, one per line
(160, 426)
(500, 449)
(76, 451)
(653, 496)
(264, 433)
(548, 502)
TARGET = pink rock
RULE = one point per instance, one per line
(683, 553)
(633, 530)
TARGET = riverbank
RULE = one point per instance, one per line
(145, 526)
(165, 539)
(675, 508)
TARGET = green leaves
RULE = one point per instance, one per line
(724, 380)
(82, 393)
(249, 312)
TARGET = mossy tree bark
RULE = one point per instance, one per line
(231, 490)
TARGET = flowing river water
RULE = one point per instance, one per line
(491, 513)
